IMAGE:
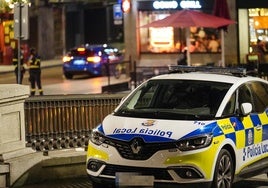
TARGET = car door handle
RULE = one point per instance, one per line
(258, 127)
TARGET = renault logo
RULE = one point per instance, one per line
(136, 145)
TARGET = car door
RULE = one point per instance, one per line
(250, 131)
(259, 118)
(255, 125)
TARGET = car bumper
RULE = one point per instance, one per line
(94, 69)
(167, 167)
(114, 183)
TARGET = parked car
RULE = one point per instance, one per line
(194, 127)
(91, 60)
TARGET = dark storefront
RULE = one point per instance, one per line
(91, 23)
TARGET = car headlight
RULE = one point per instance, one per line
(94, 59)
(96, 137)
(66, 59)
(195, 143)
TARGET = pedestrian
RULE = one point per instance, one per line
(183, 57)
(213, 44)
(261, 50)
(34, 64)
(15, 61)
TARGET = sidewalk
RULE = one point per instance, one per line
(44, 63)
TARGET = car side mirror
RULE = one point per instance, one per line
(246, 108)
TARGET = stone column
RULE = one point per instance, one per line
(12, 126)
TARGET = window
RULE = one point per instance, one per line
(260, 96)
(172, 40)
(255, 93)
(230, 107)
(258, 27)
(175, 99)
(244, 95)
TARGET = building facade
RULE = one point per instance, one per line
(157, 47)
(60, 26)
(163, 46)
(252, 26)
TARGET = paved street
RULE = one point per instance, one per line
(70, 183)
(256, 182)
(54, 83)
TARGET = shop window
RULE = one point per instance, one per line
(258, 27)
(173, 40)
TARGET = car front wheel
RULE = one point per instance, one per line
(224, 170)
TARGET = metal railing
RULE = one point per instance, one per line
(64, 121)
(142, 73)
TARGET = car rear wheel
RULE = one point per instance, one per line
(224, 170)
(68, 76)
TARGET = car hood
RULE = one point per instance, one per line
(153, 130)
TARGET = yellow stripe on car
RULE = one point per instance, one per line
(240, 139)
(247, 122)
(202, 160)
(263, 118)
(226, 126)
(96, 153)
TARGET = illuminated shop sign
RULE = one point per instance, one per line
(174, 4)
(165, 4)
(190, 4)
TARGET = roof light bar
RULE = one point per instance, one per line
(222, 70)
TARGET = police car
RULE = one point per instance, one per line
(192, 127)
(91, 59)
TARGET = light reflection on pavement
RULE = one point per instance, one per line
(82, 86)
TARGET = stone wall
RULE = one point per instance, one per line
(12, 127)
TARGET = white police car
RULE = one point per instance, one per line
(190, 129)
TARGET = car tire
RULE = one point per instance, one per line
(224, 170)
(68, 76)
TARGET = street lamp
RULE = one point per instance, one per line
(20, 28)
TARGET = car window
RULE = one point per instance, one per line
(231, 106)
(175, 97)
(244, 96)
(255, 93)
(260, 96)
(109, 51)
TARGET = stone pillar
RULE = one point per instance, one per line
(12, 126)
(46, 33)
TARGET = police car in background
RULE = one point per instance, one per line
(91, 59)
(195, 126)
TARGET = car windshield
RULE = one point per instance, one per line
(175, 99)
